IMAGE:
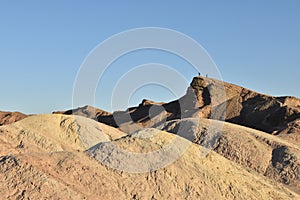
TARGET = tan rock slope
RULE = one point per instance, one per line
(255, 150)
(10, 117)
(30, 170)
(56, 133)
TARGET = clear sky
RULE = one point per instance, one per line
(254, 43)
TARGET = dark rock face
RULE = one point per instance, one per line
(264, 113)
(248, 108)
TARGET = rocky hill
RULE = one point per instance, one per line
(212, 99)
(10, 117)
(218, 141)
(86, 111)
(266, 154)
(53, 157)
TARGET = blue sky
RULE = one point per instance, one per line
(255, 44)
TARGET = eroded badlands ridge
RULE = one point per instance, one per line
(253, 155)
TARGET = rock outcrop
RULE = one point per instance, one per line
(212, 99)
(10, 117)
(86, 111)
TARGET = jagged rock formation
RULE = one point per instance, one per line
(151, 114)
(10, 117)
(243, 106)
(212, 99)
